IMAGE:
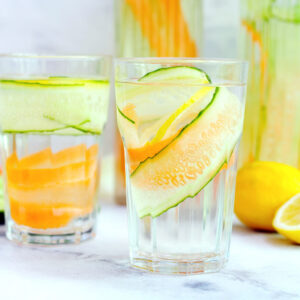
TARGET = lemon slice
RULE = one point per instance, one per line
(152, 113)
(199, 95)
(287, 219)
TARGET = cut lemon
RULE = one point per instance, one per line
(258, 198)
(287, 219)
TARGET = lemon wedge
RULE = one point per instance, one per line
(287, 219)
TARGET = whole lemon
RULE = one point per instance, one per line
(261, 188)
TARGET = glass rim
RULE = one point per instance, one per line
(27, 65)
(214, 67)
(170, 60)
(53, 56)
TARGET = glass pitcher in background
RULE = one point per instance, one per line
(271, 42)
(163, 28)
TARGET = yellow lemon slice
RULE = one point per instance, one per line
(161, 103)
(198, 96)
(287, 219)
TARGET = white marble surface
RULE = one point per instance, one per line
(261, 266)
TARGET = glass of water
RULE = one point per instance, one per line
(181, 121)
(52, 113)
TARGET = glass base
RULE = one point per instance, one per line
(68, 235)
(184, 266)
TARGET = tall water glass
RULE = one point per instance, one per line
(181, 122)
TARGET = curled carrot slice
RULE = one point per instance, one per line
(48, 190)
(137, 155)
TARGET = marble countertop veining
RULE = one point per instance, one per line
(261, 266)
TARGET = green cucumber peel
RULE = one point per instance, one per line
(181, 131)
(192, 196)
(77, 127)
(66, 126)
(39, 84)
(191, 189)
(124, 116)
(166, 69)
(188, 196)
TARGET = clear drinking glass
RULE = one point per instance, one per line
(52, 113)
(270, 41)
(180, 121)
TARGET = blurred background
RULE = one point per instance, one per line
(87, 26)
